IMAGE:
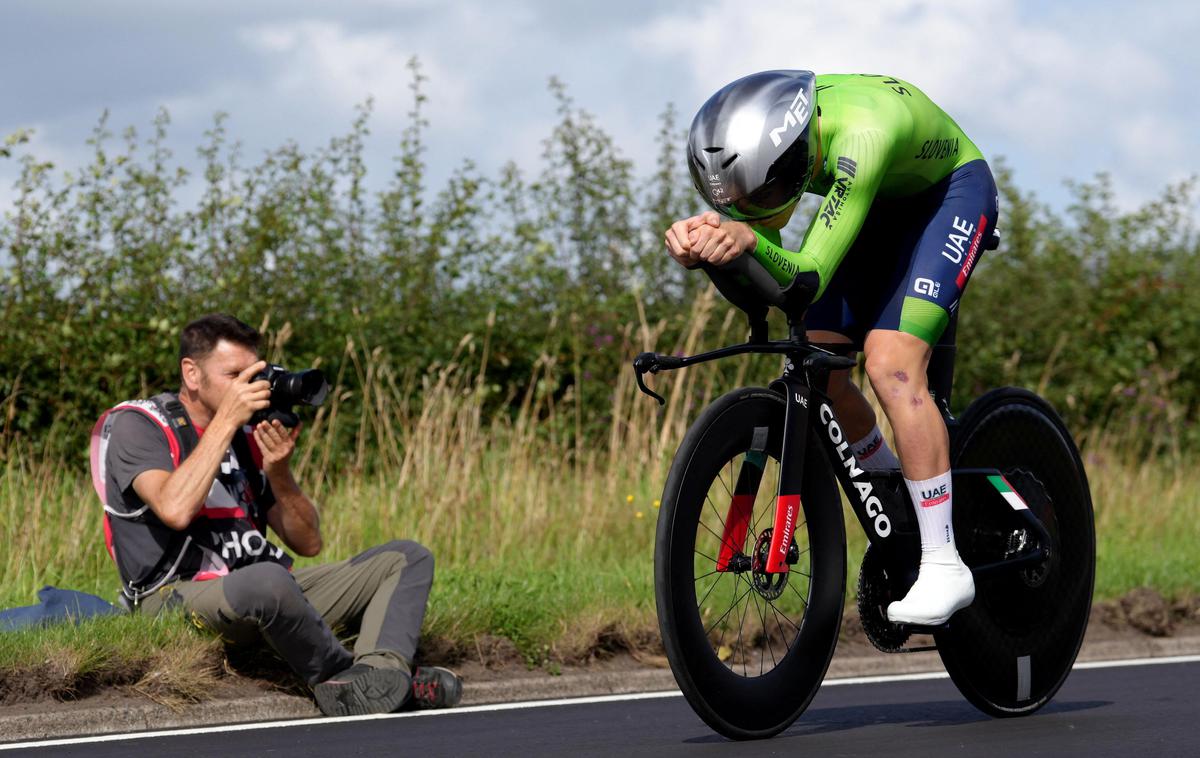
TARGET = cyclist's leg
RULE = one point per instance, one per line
(854, 413)
(849, 305)
(896, 365)
(953, 218)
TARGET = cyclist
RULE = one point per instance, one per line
(908, 199)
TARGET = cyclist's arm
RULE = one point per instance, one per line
(859, 161)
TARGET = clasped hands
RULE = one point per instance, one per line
(708, 239)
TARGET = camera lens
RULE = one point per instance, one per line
(313, 387)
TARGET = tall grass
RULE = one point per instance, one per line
(543, 533)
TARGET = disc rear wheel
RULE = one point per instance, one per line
(1012, 649)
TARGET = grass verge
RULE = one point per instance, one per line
(163, 658)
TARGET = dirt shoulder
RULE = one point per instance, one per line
(1133, 622)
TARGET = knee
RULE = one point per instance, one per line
(262, 592)
(414, 551)
(406, 554)
(416, 555)
(895, 373)
(418, 560)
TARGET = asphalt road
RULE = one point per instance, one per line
(1121, 711)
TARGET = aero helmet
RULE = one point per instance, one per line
(752, 146)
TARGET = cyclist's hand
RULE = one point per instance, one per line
(244, 397)
(720, 245)
(681, 237)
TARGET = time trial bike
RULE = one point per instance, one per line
(750, 550)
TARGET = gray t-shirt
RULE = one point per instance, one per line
(136, 445)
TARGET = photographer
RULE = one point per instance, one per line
(189, 491)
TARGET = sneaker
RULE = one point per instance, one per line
(944, 586)
(435, 687)
(363, 689)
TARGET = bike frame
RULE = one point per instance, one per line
(877, 499)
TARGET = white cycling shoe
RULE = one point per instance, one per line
(944, 585)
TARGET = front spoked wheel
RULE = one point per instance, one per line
(748, 647)
(1012, 649)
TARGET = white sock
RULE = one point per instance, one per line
(873, 453)
(934, 506)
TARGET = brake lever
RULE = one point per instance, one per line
(642, 386)
(653, 363)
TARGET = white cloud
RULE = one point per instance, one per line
(334, 68)
(1061, 90)
(1054, 93)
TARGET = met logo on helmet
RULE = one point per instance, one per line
(797, 113)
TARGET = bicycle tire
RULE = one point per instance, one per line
(744, 705)
(1012, 649)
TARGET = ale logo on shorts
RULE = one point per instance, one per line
(923, 286)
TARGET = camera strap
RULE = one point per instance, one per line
(181, 425)
(241, 448)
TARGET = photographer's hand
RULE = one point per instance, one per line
(276, 444)
(242, 399)
(294, 517)
(177, 496)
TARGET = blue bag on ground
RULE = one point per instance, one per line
(55, 606)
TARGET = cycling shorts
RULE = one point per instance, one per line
(911, 261)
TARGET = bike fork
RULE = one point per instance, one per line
(787, 504)
(791, 474)
(737, 520)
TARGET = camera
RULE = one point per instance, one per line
(288, 389)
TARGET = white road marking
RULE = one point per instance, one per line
(1136, 662)
(528, 704)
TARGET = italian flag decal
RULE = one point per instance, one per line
(1008, 493)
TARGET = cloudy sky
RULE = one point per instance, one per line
(1061, 89)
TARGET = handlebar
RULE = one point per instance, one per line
(817, 359)
(746, 284)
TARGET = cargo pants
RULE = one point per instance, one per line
(382, 593)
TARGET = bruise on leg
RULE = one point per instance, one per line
(917, 401)
(903, 377)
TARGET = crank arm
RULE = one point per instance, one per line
(1034, 558)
